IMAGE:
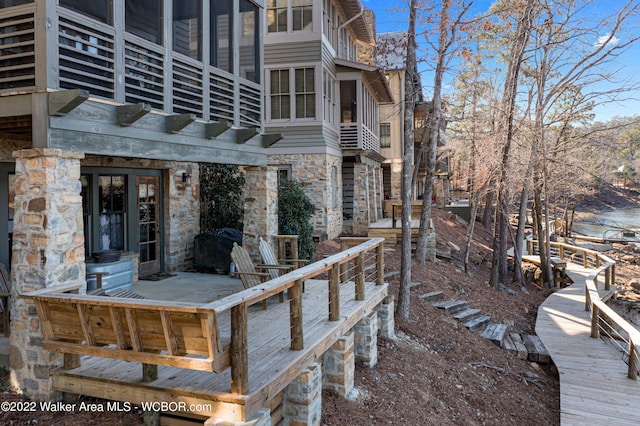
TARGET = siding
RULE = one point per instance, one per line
(290, 53)
(296, 137)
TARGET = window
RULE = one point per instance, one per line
(112, 201)
(304, 101)
(329, 93)
(305, 93)
(249, 41)
(10, 3)
(222, 34)
(99, 10)
(144, 19)
(302, 15)
(187, 28)
(279, 95)
(284, 17)
(385, 135)
(277, 16)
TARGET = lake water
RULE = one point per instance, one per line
(611, 224)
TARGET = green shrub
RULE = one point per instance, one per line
(221, 188)
(295, 211)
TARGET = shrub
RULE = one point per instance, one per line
(295, 211)
(221, 187)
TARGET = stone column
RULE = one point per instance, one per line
(366, 340)
(302, 403)
(386, 318)
(260, 207)
(339, 366)
(360, 222)
(261, 418)
(396, 180)
(48, 250)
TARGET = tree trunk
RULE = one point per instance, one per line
(522, 34)
(404, 292)
(434, 135)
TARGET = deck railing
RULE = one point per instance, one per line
(605, 322)
(363, 262)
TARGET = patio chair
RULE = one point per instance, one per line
(280, 266)
(248, 272)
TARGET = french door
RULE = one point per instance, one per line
(147, 188)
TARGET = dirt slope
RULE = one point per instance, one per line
(437, 371)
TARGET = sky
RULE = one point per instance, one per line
(391, 16)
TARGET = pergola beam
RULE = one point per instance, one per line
(126, 115)
(64, 101)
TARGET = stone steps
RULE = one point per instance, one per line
(525, 346)
(452, 306)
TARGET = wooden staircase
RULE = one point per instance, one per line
(524, 346)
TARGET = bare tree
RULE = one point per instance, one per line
(404, 294)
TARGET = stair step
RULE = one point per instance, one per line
(433, 296)
(478, 323)
(452, 306)
(467, 315)
(537, 351)
(495, 333)
(513, 343)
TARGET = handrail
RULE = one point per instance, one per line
(238, 303)
(603, 319)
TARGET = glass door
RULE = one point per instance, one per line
(148, 224)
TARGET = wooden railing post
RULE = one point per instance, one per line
(360, 292)
(587, 299)
(632, 373)
(529, 247)
(584, 259)
(334, 293)
(595, 321)
(380, 264)
(343, 266)
(613, 274)
(239, 350)
(561, 252)
(295, 315)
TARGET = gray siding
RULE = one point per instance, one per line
(290, 53)
(305, 137)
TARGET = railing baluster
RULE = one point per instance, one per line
(633, 360)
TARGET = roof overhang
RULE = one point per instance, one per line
(374, 76)
(353, 9)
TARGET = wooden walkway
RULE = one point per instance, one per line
(594, 388)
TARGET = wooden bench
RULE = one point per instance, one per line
(151, 332)
(558, 267)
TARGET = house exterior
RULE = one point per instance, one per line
(322, 94)
(391, 55)
(106, 109)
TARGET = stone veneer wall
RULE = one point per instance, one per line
(396, 181)
(48, 250)
(260, 208)
(182, 217)
(361, 199)
(315, 171)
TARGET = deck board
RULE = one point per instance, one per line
(594, 388)
(272, 365)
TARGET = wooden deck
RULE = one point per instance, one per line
(272, 364)
(594, 388)
(383, 228)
